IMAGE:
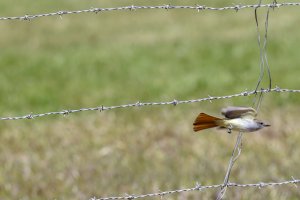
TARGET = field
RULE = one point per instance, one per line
(113, 58)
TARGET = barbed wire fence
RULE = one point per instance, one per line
(238, 145)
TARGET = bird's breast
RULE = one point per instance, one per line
(242, 124)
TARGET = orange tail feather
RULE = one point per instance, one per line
(204, 121)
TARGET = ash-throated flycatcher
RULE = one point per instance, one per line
(236, 118)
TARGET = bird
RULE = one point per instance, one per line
(236, 118)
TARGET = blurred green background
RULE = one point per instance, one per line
(112, 58)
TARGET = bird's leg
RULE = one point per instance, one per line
(229, 129)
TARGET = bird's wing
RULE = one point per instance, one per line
(237, 112)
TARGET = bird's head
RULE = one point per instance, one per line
(262, 124)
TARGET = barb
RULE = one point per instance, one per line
(142, 104)
(200, 188)
(162, 7)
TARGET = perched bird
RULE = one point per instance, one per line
(236, 118)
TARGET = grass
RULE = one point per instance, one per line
(114, 58)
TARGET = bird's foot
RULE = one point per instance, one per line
(229, 129)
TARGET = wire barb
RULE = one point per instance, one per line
(175, 102)
(199, 7)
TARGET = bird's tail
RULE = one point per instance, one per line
(204, 121)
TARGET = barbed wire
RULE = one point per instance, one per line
(162, 7)
(141, 104)
(198, 187)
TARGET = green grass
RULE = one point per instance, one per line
(116, 58)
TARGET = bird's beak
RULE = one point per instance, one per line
(265, 125)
